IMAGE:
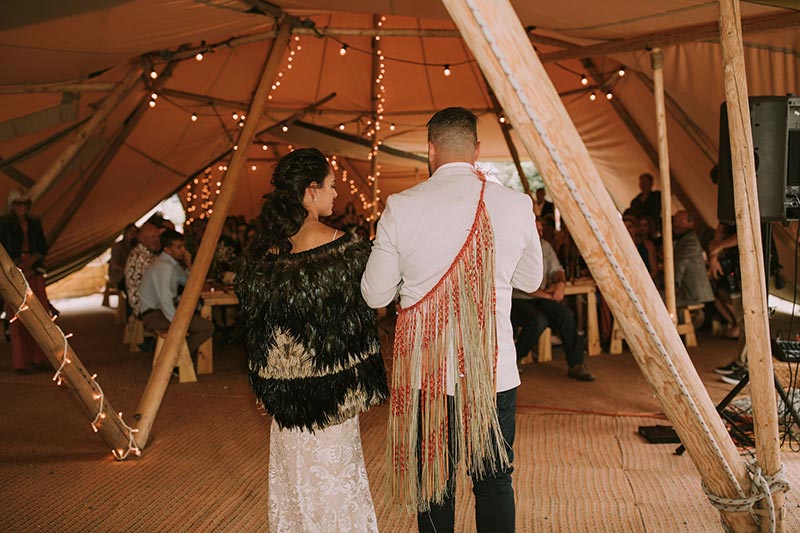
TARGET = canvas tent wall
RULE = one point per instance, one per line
(92, 42)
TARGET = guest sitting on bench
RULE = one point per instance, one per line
(158, 293)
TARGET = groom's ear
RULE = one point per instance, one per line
(477, 150)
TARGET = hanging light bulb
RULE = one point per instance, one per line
(253, 167)
(264, 147)
(341, 126)
(343, 50)
(154, 96)
(152, 103)
(235, 115)
(593, 96)
(502, 120)
(153, 74)
(194, 117)
(199, 56)
(621, 71)
(392, 127)
(284, 128)
(241, 123)
(446, 70)
(609, 96)
(584, 81)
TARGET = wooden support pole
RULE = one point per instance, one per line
(39, 146)
(76, 87)
(107, 422)
(505, 127)
(498, 42)
(751, 262)
(110, 103)
(108, 155)
(692, 129)
(159, 378)
(674, 36)
(657, 62)
(641, 138)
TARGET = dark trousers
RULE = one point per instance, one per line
(531, 323)
(494, 495)
(535, 315)
(200, 329)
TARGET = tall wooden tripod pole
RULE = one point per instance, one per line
(110, 103)
(657, 61)
(51, 340)
(748, 231)
(159, 378)
(499, 43)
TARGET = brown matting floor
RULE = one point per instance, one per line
(580, 464)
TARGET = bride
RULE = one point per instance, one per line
(313, 351)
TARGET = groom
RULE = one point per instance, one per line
(453, 247)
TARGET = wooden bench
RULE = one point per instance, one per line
(544, 351)
(186, 373)
(685, 328)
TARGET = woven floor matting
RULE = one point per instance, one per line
(205, 467)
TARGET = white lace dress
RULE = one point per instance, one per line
(318, 481)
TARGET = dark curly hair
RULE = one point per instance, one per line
(283, 212)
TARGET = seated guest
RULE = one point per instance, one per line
(141, 257)
(542, 207)
(647, 202)
(692, 285)
(158, 294)
(119, 256)
(646, 230)
(527, 310)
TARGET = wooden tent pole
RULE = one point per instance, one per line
(110, 103)
(748, 231)
(32, 150)
(641, 138)
(505, 127)
(657, 62)
(27, 88)
(498, 42)
(159, 378)
(108, 155)
(700, 138)
(671, 37)
(52, 341)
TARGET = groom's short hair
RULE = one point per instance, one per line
(454, 129)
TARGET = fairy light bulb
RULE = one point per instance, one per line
(154, 96)
(341, 126)
(392, 127)
(584, 81)
(343, 50)
(264, 147)
(253, 167)
(609, 96)
(502, 120)
(199, 56)
(153, 74)
(284, 128)
(152, 103)
(447, 70)
(592, 97)
(194, 117)
(235, 116)
(621, 71)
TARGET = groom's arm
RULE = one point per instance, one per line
(382, 278)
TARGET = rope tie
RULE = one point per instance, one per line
(761, 488)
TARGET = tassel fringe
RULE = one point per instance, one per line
(457, 316)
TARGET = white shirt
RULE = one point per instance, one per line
(423, 228)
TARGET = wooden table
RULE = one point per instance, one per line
(588, 287)
(210, 297)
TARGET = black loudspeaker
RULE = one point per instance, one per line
(775, 123)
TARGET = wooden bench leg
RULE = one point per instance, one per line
(686, 327)
(616, 339)
(186, 373)
(136, 334)
(205, 352)
(544, 352)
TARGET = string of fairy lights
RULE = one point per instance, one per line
(201, 192)
(98, 395)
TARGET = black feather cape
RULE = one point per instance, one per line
(313, 350)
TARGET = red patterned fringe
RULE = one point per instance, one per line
(457, 316)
